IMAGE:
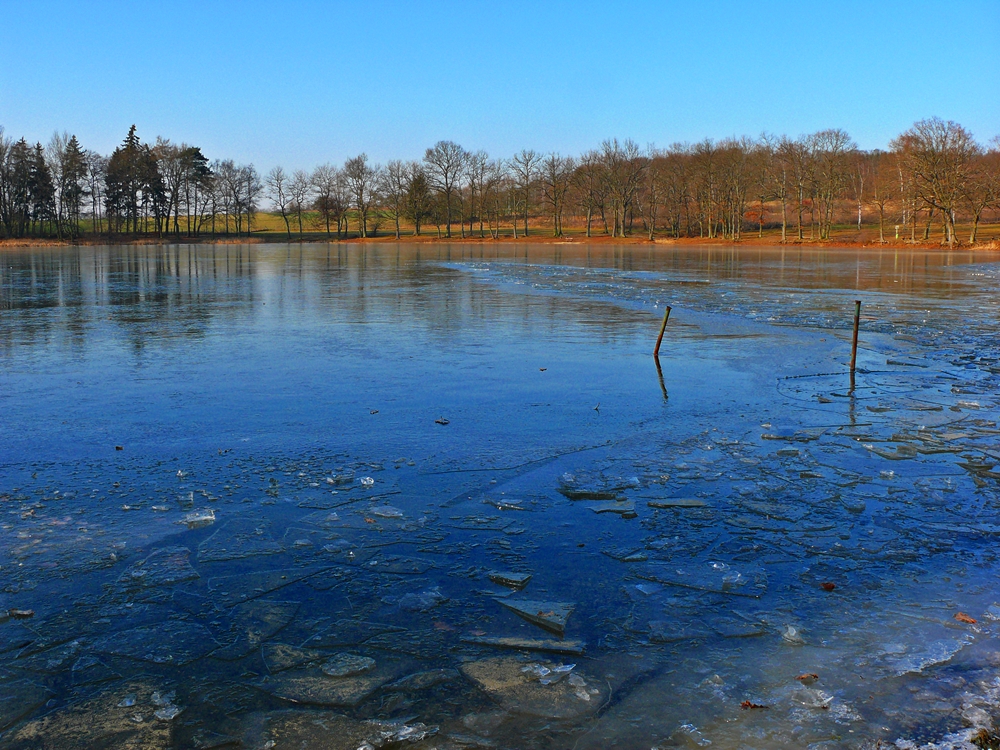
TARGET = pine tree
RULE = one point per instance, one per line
(42, 191)
(20, 188)
(73, 188)
(134, 186)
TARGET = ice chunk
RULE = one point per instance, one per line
(321, 690)
(502, 679)
(624, 508)
(792, 635)
(164, 567)
(511, 580)
(936, 652)
(280, 656)
(711, 576)
(172, 642)
(238, 539)
(678, 502)
(348, 665)
(395, 732)
(167, 713)
(424, 680)
(551, 645)
(551, 616)
(423, 600)
(197, 519)
(252, 623)
(386, 511)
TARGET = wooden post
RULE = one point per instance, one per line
(666, 316)
(854, 343)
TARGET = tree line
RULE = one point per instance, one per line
(929, 179)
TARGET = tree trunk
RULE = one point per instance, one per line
(784, 219)
(800, 215)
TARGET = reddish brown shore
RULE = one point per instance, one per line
(863, 239)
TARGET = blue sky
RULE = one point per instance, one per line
(300, 83)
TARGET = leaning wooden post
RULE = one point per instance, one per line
(666, 316)
(854, 343)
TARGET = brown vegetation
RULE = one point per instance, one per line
(934, 186)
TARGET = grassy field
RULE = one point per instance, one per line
(268, 227)
(271, 227)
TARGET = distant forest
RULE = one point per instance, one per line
(932, 178)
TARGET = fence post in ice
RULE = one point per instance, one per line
(854, 342)
(656, 351)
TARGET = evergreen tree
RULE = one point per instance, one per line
(73, 187)
(42, 191)
(134, 186)
(20, 188)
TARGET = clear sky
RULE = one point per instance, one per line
(299, 83)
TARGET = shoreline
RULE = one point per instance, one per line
(992, 245)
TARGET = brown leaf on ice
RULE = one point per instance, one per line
(827, 586)
(746, 705)
(962, 617)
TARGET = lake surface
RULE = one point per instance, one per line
(345, 496)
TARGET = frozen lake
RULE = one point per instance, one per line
(441, 495)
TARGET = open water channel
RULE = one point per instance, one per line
(440, 496)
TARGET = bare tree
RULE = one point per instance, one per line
(556, 178)
(55, 156)
(325, 181)
(445, 161)
(300, 189)
(590, 184)
(766, 188)
(418, 198)
(623, 164)
(673, 168)
(882, 185)
(649, 194)
(860, 178)
(780, 175)
(982, 188)
(736, 176)
(362, 179)
(278, 190)
(524, 167)
(393, 189)
(476, 170)
(831, 151)
(252, 189)
(939, 154)
(496, 193)
(795, 154)
(97, 168)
